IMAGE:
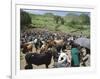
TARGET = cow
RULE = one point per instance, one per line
(38, 59)
(26, 47)
(38, 43)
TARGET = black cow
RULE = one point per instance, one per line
(38, 59)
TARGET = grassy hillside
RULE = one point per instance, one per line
(75, 24)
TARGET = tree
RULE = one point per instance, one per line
(59, 19)
(72, 24)
(25, 19)
(85, 19)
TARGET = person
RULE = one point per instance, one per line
(69, 57)
(85, 57)
(75, 56)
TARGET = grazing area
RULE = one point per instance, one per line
(54, 39)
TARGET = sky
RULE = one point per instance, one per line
(60, 13)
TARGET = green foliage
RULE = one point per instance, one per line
(69, 23)
(58, 20)
(72, 24)
(85, 19)
(25, 18)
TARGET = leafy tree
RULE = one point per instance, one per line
(25, 19)
(85, 19)
(72, 23)
(59, 19)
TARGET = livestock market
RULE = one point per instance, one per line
(54, 39)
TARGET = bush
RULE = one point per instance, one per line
(72, 24)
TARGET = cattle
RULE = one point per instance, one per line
(64, 60)
(27, 47)
(38, 44)
(50, 45)
(38, 59)
(58, 44)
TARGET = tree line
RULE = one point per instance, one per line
(84, 19)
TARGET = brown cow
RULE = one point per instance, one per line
(27, 47)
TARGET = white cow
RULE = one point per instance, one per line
(64, 60)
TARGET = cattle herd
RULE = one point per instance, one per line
(40, 46)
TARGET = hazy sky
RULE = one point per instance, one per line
(60, 13)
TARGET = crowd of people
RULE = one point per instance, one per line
(61, 45)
